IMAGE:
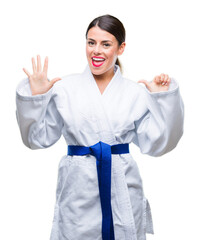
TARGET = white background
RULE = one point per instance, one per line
(162, 36)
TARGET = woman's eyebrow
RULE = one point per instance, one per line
(90, 39)
(107, 41)
(102, 41)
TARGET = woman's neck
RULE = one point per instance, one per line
(105, 77)
(103, 80)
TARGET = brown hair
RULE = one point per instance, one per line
(112, 25)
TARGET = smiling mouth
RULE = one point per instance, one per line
(98, 61)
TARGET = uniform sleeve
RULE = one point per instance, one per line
(39, 121)
(161, 126)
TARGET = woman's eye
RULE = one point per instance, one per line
(90, 43)
(106, 45)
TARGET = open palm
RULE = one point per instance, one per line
(38, 80)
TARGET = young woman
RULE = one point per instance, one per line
(99, 112)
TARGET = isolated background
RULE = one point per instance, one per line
(162, 36)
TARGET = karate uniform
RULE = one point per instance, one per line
(126, 112)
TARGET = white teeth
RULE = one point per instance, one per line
(98, 59)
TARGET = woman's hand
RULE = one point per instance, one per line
(159, 84)
(38, 80)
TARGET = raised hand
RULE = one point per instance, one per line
(38, 80)
(159, 84)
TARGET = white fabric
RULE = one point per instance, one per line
(126, 112)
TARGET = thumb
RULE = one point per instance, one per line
(145, 82)
(55, 80)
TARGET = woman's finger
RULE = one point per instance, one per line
(166, 77)
(39, 66)
(145, 82)
(55, 80)
(45, 65)
(157, 79)
(168, 81)
(27, 73)
(34, 65)
(162, 77)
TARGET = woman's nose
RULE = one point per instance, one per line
(97, 49)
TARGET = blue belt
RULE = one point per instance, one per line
(102, 152)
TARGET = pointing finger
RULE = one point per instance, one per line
(145, 82)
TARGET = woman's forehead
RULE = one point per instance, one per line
(97, 34)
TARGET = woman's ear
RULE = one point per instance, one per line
(121, 48)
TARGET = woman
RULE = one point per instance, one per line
(99, 191)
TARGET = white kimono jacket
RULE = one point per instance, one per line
(126, 112)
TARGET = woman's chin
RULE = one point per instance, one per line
(97, 70)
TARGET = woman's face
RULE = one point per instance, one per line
(102, 50)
